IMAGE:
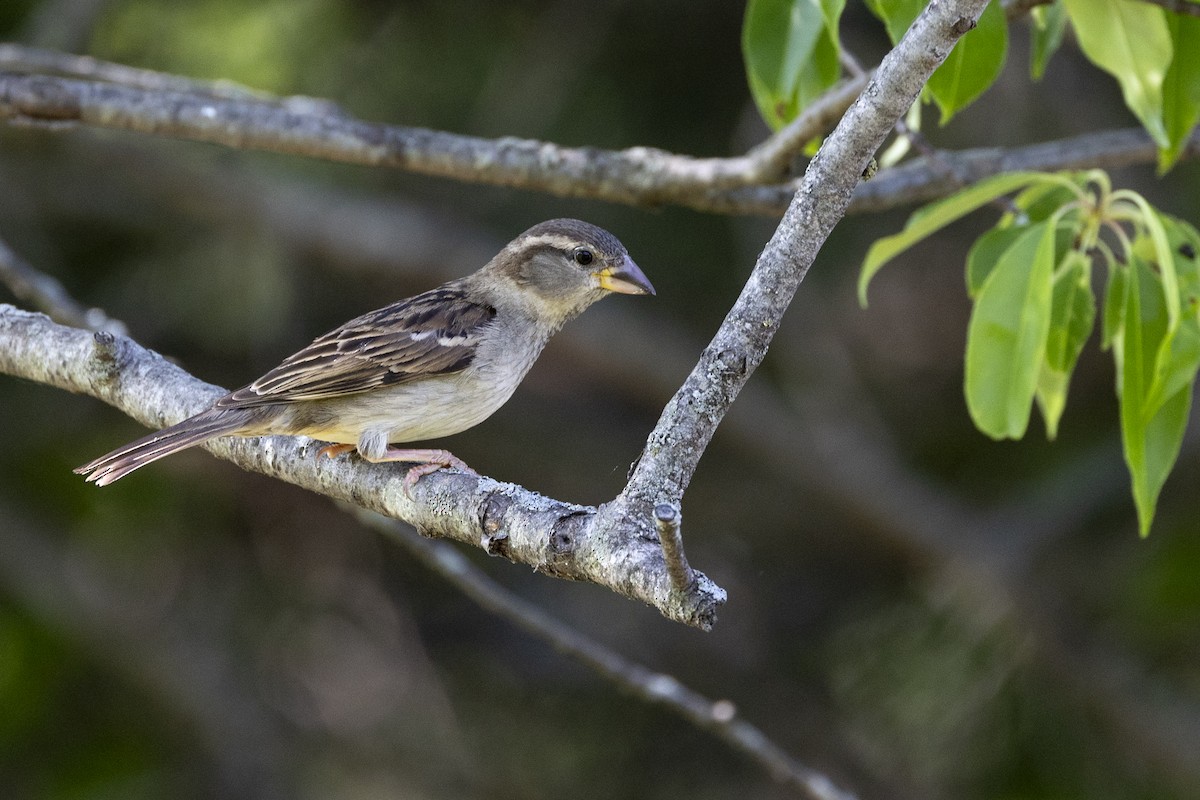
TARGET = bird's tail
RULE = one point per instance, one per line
(192, 431)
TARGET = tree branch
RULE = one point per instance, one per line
(719, 717)
(692, 415)
(614, 546)
(48, 295)
(225, 113)
(767, 160)
(192, 675)
(555, 538)
(638, 175)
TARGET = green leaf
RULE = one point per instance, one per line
(935, 216)
(1114, 305)
(1184, 241)
(1006, 339)
(1040, 201)
(972, 66)
(1151, 432)
(1151, 230)
(1181, 88)
(986, 252)
(1049, 22)
(791, 50)
(896, 15)
(1161, 439)
(1072, 317)
(1179, 353)
(1131, 42)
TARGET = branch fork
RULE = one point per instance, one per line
(624, 545)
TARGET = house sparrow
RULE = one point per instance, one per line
(429, 366)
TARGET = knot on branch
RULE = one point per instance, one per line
(563, 539)
(733, 361)
(494, 539)
(106, 360)
(962, 25)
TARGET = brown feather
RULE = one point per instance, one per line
(433, 333)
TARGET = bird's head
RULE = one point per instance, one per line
(564, 265)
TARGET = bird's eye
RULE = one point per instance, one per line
(583, 256)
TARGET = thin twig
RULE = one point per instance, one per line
(668, 520)
(191, 675)
(719, 716)
(48, 295)
(20, 58)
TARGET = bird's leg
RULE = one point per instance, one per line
(426, 461)
(334, 450)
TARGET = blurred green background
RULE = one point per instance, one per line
(914, 609)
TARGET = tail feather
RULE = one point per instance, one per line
(192, 431)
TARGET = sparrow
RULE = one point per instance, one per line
(421, 368)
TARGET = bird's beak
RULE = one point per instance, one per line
(625, 278)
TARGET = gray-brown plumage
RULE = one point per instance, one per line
(425, 367)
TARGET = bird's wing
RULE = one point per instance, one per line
(434, 333)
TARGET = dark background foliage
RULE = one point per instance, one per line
(914, 609)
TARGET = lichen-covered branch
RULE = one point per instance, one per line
(556, 538)
(692, 415)
(57, 88)
(638, 175)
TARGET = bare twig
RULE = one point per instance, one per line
(191, 676)
(719, 717)
(767, 162)
(919, 180)
(48, 295)
(20, 58)
(668, 519)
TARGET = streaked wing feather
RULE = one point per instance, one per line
(434, 333)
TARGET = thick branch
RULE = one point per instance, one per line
(556, 538)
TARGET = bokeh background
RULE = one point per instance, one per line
(914, 609)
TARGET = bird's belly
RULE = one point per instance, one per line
(413, 412)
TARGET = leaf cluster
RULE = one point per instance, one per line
(1031, 280)
(793, 54)
(1031, 276)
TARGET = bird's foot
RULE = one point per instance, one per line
(426, 461)
(334, 450)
